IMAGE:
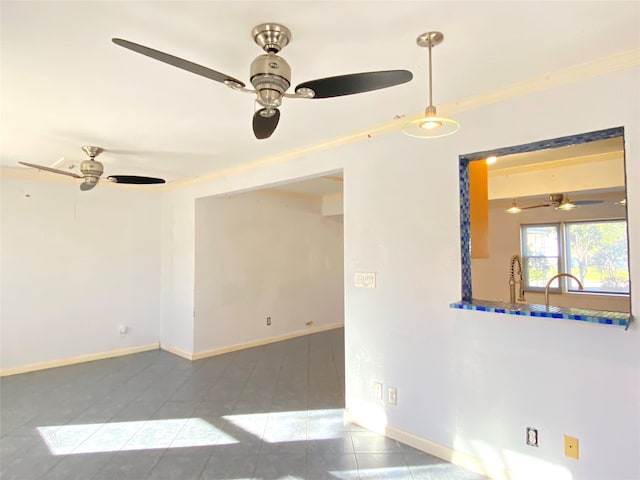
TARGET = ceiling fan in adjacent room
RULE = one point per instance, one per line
(270, 76)
(92, 171)
(561, 201)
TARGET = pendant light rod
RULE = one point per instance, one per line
(430, 40)
(431, 125)
(430, 78)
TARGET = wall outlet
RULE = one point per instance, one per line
(532, 437)
(393, 395)
(268, 321)
(123, 329)
(309, 323)
(377, 390)
(570, 446)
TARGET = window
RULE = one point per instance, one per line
(593, 251)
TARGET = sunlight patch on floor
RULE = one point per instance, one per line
(126, 436)
(292, 426)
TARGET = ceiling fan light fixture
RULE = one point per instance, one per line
(514, 208)
(431, 125)
(566, 204)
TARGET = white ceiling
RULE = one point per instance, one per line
(64, 84)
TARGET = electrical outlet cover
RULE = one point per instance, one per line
(532, 437)
(377, 390)
(393, 396)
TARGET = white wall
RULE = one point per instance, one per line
(475, 380)
(469, 380)
(264, 254)
(490, 276)
(74, 266)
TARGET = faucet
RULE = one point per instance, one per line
(546, 289)
(515, 261)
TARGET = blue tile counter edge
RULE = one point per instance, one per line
(534, 310)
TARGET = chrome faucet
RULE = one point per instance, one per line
(516, 261)
(546, 289)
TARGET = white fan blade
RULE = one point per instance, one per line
(52, 170)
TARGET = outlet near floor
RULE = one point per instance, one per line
(393, 395)
(377, 390)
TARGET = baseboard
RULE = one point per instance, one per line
(462, 459)
(178, 352)
(261, 341)
(32, 367)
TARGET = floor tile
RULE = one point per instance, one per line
(369, 442)
(270, 412)
(230, 467)
(184, 466)
(129, 465)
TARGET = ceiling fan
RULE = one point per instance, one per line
(92, 171)
(270, 76)
(561, 201)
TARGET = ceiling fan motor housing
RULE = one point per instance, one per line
(91, 168)
(271, 77)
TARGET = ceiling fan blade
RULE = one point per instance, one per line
(52, 170)
(176, 61)
(537, 206)
(356, 83)
(263, 126)
(586, 202)
(134, 180)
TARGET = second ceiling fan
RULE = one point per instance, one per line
(561, 201)
(270, 76)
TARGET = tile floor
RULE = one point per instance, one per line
(271, 412)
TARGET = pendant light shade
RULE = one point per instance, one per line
(431, 125)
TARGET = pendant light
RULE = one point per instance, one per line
(431, 125)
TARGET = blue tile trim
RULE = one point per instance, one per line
(465, 232)
(534, 310)
(544, 144)
(465, 222)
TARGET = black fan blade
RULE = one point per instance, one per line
(537, 206)
(356, 83)
(586, 202)
(176, 61)
(132, 179)
(263, 127)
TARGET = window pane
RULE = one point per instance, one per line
(538, 270)
(541, 254)
(540, 240)
(597, 255)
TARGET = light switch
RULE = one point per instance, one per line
(365, 280)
